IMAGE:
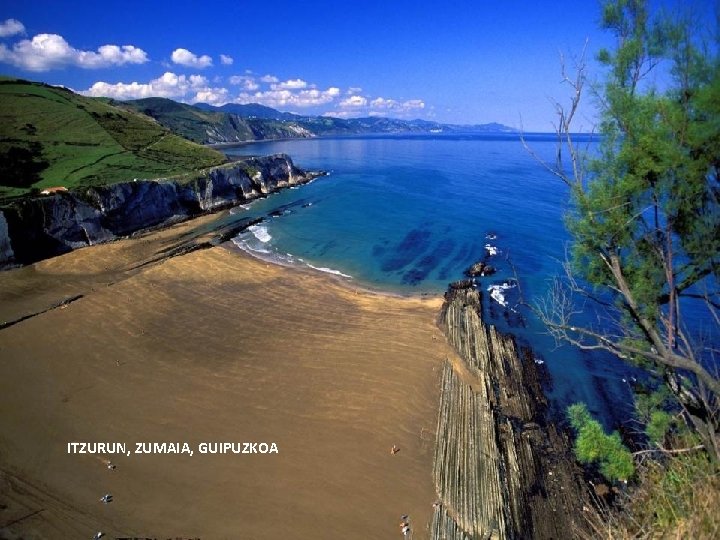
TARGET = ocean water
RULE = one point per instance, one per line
(408, 214)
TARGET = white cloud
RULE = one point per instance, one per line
(226, 60)
(213, 96)
(291, 95)
(188, 59)
(282, 97)
(340, 114)
(413, 104)
(269, 79)
(356, 106)
(396, 106)
(169, 85)
(353, 102)
(11, 27)
(382, 103)
(292, 84)
(195, 80)
(247, 82)
(353, 90)
(114, 55)
(51, 51)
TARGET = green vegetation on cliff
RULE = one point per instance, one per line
(188, 121)
(50, 136)
(594, 446)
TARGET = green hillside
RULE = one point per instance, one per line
(213, 126)
(51, 136)
(190, 122)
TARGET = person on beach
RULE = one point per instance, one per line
(405, 525)
(107, 498)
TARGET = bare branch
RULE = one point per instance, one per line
(670, 451)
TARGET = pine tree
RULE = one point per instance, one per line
(645, 223)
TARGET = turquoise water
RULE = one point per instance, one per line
(410, 214)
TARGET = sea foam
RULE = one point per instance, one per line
(328, 270)
(260, 232)
(496, 292)
(255, 240)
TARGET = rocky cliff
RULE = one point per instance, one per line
(36, 228)
(502, 470)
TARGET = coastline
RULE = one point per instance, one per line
(238, 144)
(215, 345)
(347, 281)
(35, 228)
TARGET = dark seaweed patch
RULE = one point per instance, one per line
(464, 254)
(414, 276)
(428, 263)
(378, 251)
(326, 247)
(286, 208)
(412, 246)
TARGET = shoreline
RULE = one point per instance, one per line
(215, 345)
(198, 232)
(340, 374)
(349, 282)
(36, 228)
(239, 144)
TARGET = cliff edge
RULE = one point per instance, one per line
(33, 229)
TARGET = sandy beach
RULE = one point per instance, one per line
(213, 346)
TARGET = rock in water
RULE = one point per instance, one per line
(480, 269)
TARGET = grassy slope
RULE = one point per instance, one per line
(85, 141)
(190, 122)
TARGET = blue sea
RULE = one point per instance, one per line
(408, 214)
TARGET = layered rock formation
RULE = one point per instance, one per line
(37, 228)
(501, 471)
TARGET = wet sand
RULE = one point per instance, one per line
(213, 346)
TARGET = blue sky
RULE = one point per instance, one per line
(459, 62)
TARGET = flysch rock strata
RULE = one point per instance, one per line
(502, 470)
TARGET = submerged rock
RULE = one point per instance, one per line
(480, 269)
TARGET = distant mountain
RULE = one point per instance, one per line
(250, 110)
(234, 122)
(212, 125)
(492, 127)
